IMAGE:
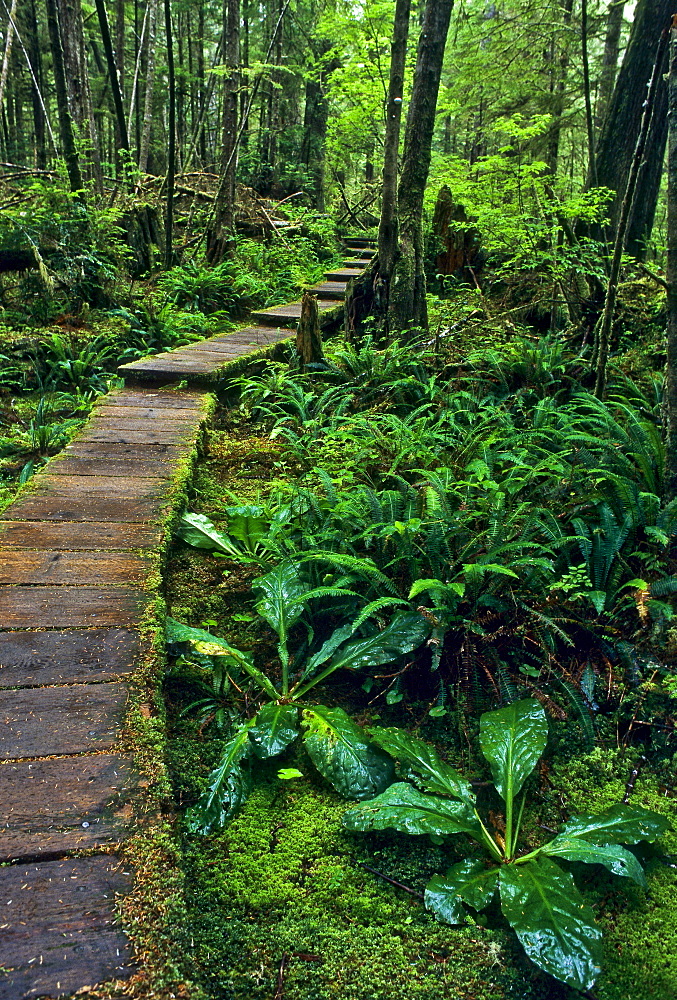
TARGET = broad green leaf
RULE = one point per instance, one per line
(443, 902)
(435, 776)
(248, 524)
(405, 633)
(227, 789)
(339, 750)
(554, 924)
(468, 882)
(327, 650)
(289, 773)
(279, 591)
(402, 807)
(620, 824)
(512, 739)
(275, 727)
(198, 531)
(612, 856)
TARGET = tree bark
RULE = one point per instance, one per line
(171, 144)
(9, 39)
(218, 239)
(308, 336)
(604, 336)
(616, 143)
(77, 81)
(315, 121)
(607, 77)
(120, 120)
(670, 389)
(150, 88)
(388, 225)
(406, 295)
(70, 152)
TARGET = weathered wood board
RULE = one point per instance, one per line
(67, 656)
(50, 807)
(78, 568)
(67, 507)
(50, 721)
(78, 535)
(58, 929)
(70, 607)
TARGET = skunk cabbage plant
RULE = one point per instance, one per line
(538, 897)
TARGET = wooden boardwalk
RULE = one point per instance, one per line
(80, 556)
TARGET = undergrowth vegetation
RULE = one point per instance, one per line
(488, 496)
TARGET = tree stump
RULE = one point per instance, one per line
(460, 243)
(308, 336)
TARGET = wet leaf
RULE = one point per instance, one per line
(554, 924)
(340, 751)
(402, 807)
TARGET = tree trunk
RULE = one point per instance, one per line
(388, 225)
(559, 78)
(406, 294)
(120, 120)
(77, 80)
(315, 120)
(308, 336)
(150, 88)
(70, 152)
(616, 144)
(649, 111)
(9, 39)
(219, 238)
(171, 144)
(670, 389)
(607, 77)
(34, 57)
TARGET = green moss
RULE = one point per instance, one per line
(640, 927)
(284, 880)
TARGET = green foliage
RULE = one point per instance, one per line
(334, 743)
(539, 899)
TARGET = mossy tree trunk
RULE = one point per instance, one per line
(616, 143)
(406, 299)
(670, 393)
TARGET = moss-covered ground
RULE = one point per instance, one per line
(280, 905)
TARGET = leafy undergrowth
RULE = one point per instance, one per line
(278, 903)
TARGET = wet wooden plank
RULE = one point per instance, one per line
(58, 931)
(53, 481)
(145, 435)
(343, 274)
(132, 450)
(50, 807)
(180, 430)
(70, 607)
(330, 290)
(139, 412)
(175, 371)
(56, 721)
(78, 535)
(77, 568)
(215, 356)
(167, 398)
(67, 656)
(66, 507)
(279, 314)
(130, 468)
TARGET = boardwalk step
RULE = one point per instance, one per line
(50, 807)
(50, 721)
(78, 535)
(67, 656)
(58, 930)
(277, 315)
(70, 607)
